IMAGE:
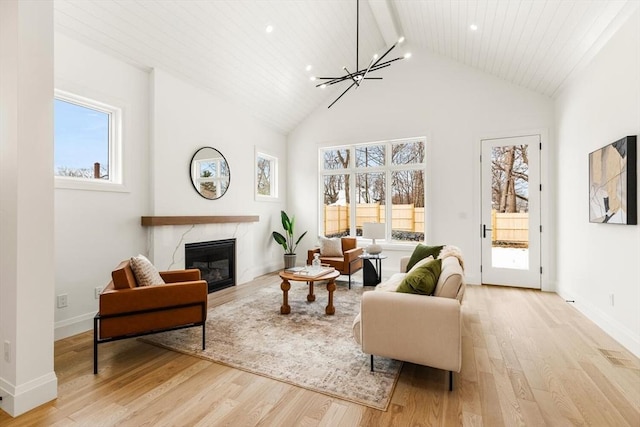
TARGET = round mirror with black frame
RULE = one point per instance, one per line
(210, 174)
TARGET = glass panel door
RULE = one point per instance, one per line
(510, 227)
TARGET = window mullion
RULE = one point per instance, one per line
(352, 171)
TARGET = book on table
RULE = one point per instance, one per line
(311, 273)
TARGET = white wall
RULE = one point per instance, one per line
(185, 118)
(428, 95)
(95, 230)
(599, 107)
(27, 378)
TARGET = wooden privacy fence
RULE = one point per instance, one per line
(510, 227)
(404, 217)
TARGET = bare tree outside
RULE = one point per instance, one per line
(406, 172)
(264, 176)
(407, 196)
(369, 156)
(510, 196)
(407, 153)
(408, 188)
(336, 184)
(510, 179)
(371, 187)
(335, 190)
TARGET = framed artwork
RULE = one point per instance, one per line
(613, 183)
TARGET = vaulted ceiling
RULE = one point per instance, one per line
(225, 48)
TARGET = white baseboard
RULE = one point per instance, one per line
(16, 400)
(473, 279)
(612, 327)
(73, 326)
(267, 268)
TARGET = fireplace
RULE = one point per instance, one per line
(216, 261)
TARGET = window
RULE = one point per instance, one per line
(86, 143)
(386, 180)
(266, 176)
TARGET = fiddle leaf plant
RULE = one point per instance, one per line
(287, 240)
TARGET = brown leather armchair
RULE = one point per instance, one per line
(127, 310)
(348, 263)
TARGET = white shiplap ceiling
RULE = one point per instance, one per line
(222, 46)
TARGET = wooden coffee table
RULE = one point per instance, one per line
(285, 286)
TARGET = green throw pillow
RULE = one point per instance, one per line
(422, 251)
(422, 280)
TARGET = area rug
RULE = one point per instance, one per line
(306, 348)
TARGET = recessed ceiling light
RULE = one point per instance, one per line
(473, 27)
(269, 28)
(308, 68)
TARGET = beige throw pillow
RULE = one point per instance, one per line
(330, 247)
(420, 263)
(145, 272)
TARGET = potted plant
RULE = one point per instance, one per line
(288, 242)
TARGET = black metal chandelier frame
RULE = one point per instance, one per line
(357, 77)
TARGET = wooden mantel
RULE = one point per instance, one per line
(152, 221)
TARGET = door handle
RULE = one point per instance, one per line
(484, 231)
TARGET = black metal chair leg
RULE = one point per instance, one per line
(450, 380)
(95, 346)
(372, 363)
(203, 335)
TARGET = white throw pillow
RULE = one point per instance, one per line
(392, 283)
(145, 272)
(330, 247)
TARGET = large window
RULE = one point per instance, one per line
(86, 142)
(378, 182)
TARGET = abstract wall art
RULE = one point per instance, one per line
(613, 183)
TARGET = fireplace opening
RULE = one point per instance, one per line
(216, 261)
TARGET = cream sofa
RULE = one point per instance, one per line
(415, 328)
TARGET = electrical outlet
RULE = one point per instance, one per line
(7, 351)
(62, 300)
(97, 291)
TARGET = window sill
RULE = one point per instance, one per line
(260, 198)
(394, 246)
(86, 185)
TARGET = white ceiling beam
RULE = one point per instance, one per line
(387, 19)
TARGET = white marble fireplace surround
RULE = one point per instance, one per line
(165, 244)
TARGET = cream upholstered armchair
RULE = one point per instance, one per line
(421, 329)
(347, 263)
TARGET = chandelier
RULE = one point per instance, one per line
(358, 77)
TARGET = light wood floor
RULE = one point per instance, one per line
(529, 358)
